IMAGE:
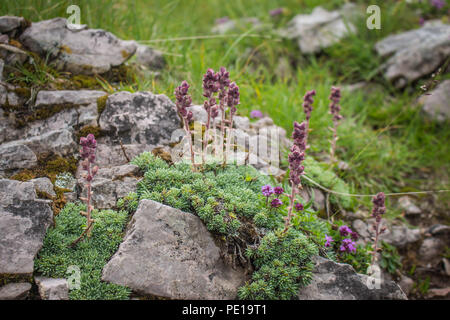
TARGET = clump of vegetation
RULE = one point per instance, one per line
(244, 211)
(56, 256)
(283, 262)
(390, 260)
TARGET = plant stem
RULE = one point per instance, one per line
(291, 207)
(189, 135)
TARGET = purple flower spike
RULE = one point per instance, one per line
(345, 231)
(378, 206)
(328, 241)
(307, 103)
(233, 97)
(278, 190)
(256, 114)
(267, 190)
(275, 203)
(335, 98)
(354, 235)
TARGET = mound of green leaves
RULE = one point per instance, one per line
(90, 255)
(225, 199)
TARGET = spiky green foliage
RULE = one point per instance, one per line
(283, 262)
(221, 197)
(90, 255)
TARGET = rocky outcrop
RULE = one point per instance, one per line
(16, 156)
(15, 291)
(24, 220)
(12, 25)
(416, 53)
(338, 281)
(396, 235)
(52, 289)
(140, 118)
(44, 185)
(86, 51)
(111, 184)
(320, 29)
(169, 253)
(436, 104)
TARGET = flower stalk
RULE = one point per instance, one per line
(89, 146)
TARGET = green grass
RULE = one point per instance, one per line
(90, 255)
(383, 136)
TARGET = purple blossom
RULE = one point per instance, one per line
(344, 231)
(267, 190)
(354, 235)
(335, 98)
(438, 4)
(256, 114)
(275, 203)
(210, 83)
(278, 190)
(307, 103)
(328, 241)
(298, 206)
(348, 246)
(276, 12)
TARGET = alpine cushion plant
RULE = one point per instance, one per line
(88, 147)
(335, 98)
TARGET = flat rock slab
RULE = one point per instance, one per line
(320, 29)
(23, 223)
(416, 53)
(140, 118)
(338, 281)
(87, 51)
(170, 253)
(52, 289)
(15, 291)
